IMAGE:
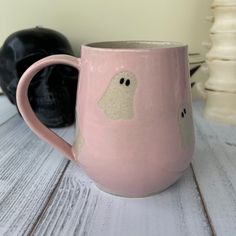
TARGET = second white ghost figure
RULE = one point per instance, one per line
(186, 125)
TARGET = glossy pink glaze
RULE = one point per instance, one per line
(26, 111)
(133, 157)
(143, 155)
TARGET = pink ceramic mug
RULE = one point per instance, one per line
(134, 130)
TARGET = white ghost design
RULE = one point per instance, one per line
(186, 125)
(118, 99)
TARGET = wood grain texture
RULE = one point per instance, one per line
(214, 165)
(40, 196)
(78, 207)
(29, 171)
(7, 110)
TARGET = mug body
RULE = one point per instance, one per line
(134, 130)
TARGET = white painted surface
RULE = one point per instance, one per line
(7, 110)
(41, 195)
(29, 170)
(80, 208)
(215, 168)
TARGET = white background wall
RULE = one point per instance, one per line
(85, 21)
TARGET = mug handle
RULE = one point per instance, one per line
(25, 108)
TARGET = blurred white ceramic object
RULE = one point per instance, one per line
(209, 18)
(219, 90)
(223, 46)
(218, 3)
(225, 20)
(206, 44)
(221, 107)
(222, 75)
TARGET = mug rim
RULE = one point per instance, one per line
(134, 45)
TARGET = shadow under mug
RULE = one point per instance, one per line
(134, 129)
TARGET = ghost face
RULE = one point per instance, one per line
(186, 125)
(118, 99)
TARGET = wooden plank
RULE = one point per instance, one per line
(215, 169)
(7, 110)
(29, 172)
(78, 207)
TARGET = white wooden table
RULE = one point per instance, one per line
(41, 193)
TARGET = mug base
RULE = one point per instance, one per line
(131, 195)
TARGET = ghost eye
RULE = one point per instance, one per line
(182, 114)
(127, 82)
(122, 80)
(185, 111)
